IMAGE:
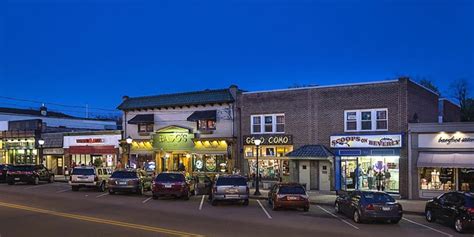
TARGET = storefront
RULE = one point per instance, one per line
(142, 155)
(20, 147)
(92, 148)
(367, 162)
(273, 163)
(178, 149)
(441, 159)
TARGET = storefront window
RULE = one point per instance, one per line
(437, 179)
(466, 180)
(270, 169)
(210, 163)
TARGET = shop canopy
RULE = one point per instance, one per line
(310, 152)
(203, 115)
(142, 118)
(446, 160)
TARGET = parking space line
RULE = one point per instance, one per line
(264, 210)
(105, 194)
(32, 187)
(433, 229)
(146, 200)
(202, 202)
(337, 217)
(64, 190)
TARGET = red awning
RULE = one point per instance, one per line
(92, 150)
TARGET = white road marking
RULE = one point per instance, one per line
(433, 229)
(337, 217)
(64, 190)
(105, 194)
(202, 202)
(146, 200)
(264, 210)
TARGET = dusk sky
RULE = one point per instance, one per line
(78, 52)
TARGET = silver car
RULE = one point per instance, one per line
(230, 187)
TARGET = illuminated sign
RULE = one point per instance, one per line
(366, 141)
(173, 138)
(269, 139)
(90, 140)
(445, 140)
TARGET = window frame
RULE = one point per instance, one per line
(147, 127)
(373, 119)
(207, 128)
(263, 124)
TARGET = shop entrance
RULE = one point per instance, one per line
(324, 173)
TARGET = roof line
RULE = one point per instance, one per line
(179, 93)
(50, 117)
(450, 101)
(319, 87)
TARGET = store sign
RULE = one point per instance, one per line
(173, 138)
(269, 139)
(445, 140)
(367, 141)
(90, 140)
(53, 151)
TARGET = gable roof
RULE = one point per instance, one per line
(178, 99)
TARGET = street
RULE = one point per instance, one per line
(53, 210)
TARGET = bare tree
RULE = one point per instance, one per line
(429, 84)
(460, 89)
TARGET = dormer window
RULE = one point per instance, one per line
(206, 125)
(144, 123)
(145, 127)
(205, 119)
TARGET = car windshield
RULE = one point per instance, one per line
(22, 168)
(170, 178)
(124, 175)
(377, 197)
(291, 190)
(223, 181)
(80, 171)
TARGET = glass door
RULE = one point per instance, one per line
(348, 173)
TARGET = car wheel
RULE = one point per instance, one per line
(356, 217)
(111, 192)
(306, 209)
(246, 202)
(102, 187)
(395, 221)
(429, 216)
(51, 179)
(74, 188)
(36, 181)
(337, 209)
(459, 225)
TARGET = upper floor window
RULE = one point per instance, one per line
(268, 123)
(145, 127)
(366, 120)
(206, 124)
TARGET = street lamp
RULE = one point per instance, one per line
(40, 152)
(129, 142)
(257, 188)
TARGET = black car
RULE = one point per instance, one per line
(32, 174)
(137, 181)
(455, 208)
(3, 172)
(364, 206)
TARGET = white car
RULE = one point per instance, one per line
(89, 176)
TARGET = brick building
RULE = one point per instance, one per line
(364, 125)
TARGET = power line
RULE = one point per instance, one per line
(56, 104)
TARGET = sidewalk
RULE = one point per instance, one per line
(61, 178)
(327, 198)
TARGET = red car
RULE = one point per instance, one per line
(172, 184)
(288, 195)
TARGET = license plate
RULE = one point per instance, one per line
(17, 178)
(232, 190)
(293, 198)
(231, 196)
(168, 185)
(386, 208)
(122, 183)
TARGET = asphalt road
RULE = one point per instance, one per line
(54, 210)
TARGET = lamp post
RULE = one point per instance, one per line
(40, 152)
(129, 142)
(257, 174)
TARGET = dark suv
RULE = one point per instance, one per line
(3, 173)
(29, 173)
(129, 181)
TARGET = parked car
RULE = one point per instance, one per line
(369, 206)
(90, 177)
(203, 185)
(3, 173)
(288, 195)
(129, 181)
(455, 208)
(230, 187)
(32, 174)
(172, 184)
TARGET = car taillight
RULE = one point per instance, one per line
(470, 211)
(370, 207)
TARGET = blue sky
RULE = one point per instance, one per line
(93, 52)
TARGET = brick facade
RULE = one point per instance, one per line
(312, 115)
